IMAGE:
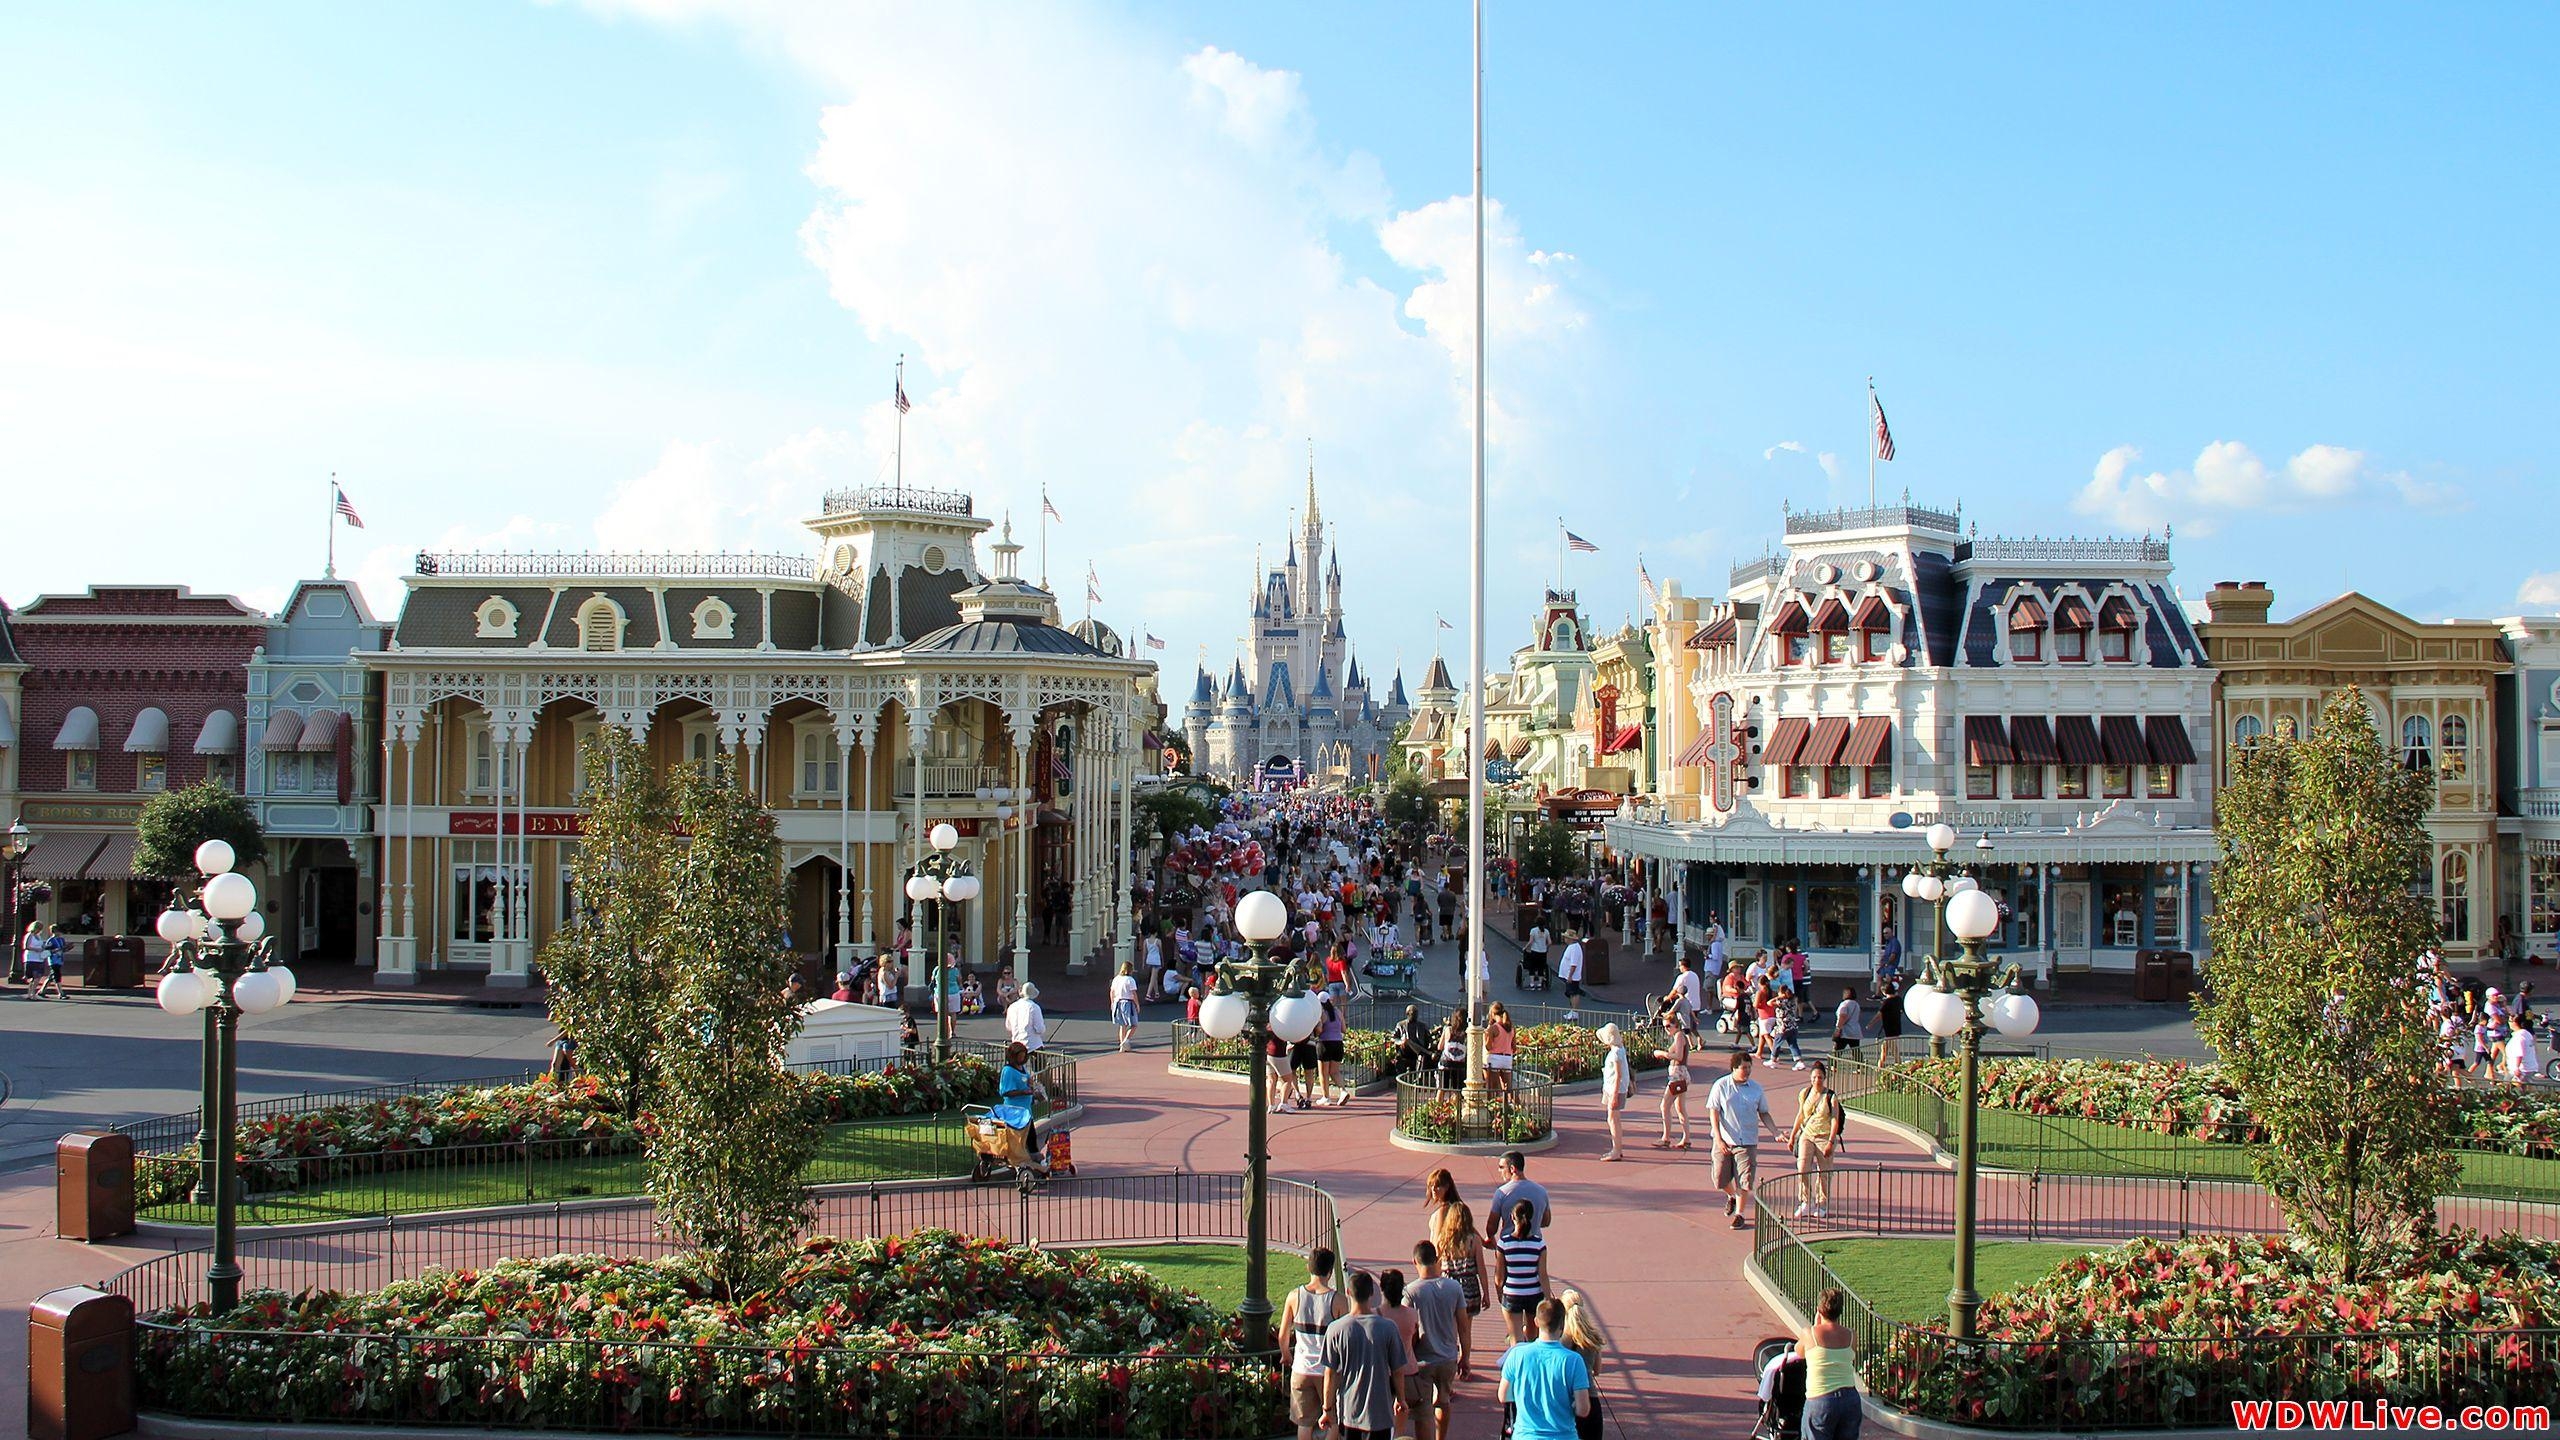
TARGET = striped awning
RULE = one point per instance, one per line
(220, 735)
(284, 732)
(150, 732)
(2165, 737)
(2116, 614)
(2077, 737)
(114, 860)
(1695, 752)
(320, 732)
(2027, 614)
(1623, 739)
(2071, 614)
(1986, 741)
(2120, 738)
(1869, 739)
(1790, 621)
(1719, 633)
(60, 857)
(1829, 734)
(1832, 615)
(1784, 741)
(1872, 614)
(2032, 739)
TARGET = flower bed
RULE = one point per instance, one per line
(580, 1117)
(2175, 1097)
(1569, 1053)
(930, 1334)
(2159, 1332)
(1442, 1119)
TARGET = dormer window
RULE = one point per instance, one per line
(600, 625)
(496, 619)
(2026, 631)
(1795, 646)
(713, 620)
(2115, 630)
(1831, 623)
(1874, 626)
(2071, 626)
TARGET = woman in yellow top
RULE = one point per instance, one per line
(1832, 1410)
(1815, 1139)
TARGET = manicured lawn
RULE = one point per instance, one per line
(2069, 1145)
(1215, 1273)
(907, 1148)
(1907, 1280)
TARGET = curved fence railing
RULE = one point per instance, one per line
(1194, 1049)
(2054, 1384)
(1518, 1111)
(522, 1382)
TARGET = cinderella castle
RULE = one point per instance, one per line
(1296, 706)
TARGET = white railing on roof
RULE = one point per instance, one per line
(1871, 517)
(617, 565)
(898, 497)
(2046, 550)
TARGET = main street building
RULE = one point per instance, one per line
(867, 691)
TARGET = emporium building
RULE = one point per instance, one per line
(867, 693)
(1884, 671)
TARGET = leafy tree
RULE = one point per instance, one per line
(1550, 852)
(731, 1136)
(2315, 1003)
(1408, 800)
(170, 828)
(1170, 809)
(608, 975)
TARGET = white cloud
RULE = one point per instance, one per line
(1792, 446)
(2540, 591)
(2228, 478)
(1828, 460)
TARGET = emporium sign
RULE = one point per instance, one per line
(488, 822)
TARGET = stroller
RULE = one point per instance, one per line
(1531, 972)
(1781, 1393)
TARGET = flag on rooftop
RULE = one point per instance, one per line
(347, 508)
(1579, 545)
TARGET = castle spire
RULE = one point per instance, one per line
(1315, 512)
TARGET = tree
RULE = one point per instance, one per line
(1550, 852)
(170, 828)
(1408, 800)
(2315, 1003)
(1170, 809)
(731, 1134)
(608, 976)
(1180, 745)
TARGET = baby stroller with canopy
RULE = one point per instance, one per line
(1781, 1373)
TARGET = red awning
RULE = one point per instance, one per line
(2116, 614)
(1868, 741)
(1696, 751)
(1626, 738)
(1719, 633)
(1829, 734)
(1785, 741)
(1790, 621)
(1872, 614)
(2032, 739)
(1832, 615)
(2120, 737)
(1986, 741)
(2077, 736)
(2071, 614)
(2027, 614)
(2165, 736)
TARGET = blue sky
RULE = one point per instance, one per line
(635, 274)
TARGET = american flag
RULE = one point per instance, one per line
(1154, 644)
(1050, 510)
(903, 406)
(1092, 586)
(1058, 768)
(1444, 621)
(1579, 545)
(347, 509)
(1884, 432)
(1644, 583)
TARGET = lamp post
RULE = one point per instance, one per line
(1938, 880)
(227, 972)
(13, 853)
(1248, 1001)
(943, 880)
(1963, 996)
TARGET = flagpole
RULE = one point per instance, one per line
(899, 393)
(1044, 534)
(331, 571)
(1474, 958)
(1871, 442)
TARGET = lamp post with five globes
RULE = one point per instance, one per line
(226, 972)
(1962, 996)
(943, 880)
(1247, 1001)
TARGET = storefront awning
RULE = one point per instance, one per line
(2031, 740)
(1869, 739)
(2077, 737)
(1872, 614)
(2165, 737)
(1986, 741)
(1719, 633)
(1696, 751)
(150, 732)
(1829, 734)
(1832, 615)
(284, 732)
(79, 730)
(114, 860)
(2120, 737)
(1544, 764)
(1785, 741)
(1626, 738)
(61, 857)
(220, 735)
(2123, 845)
(1790, 621)
(320, 732)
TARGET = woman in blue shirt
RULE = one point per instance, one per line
(1013, 1094)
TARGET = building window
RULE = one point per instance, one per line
(2168, 915)
(2286, 728)
(493, 766)
(477, 893)
(1835, 647)
(496, 619)
(714, 621)
(2115, 645)
(1746, 913)
(2417, 750)
(2070, 644)
(222, 770)
(1799, 781)
(1831, 917)
(702, 748)
(1799, 649)
(2024, 918)
(2453, 757)
(2071, 782)
(2026, 631)
(600, 625)
(2247, 731)
(2454, 897)
(284, 773)
(1835, 781)
(1981, 782)
(2542, 893)
(1879, 781)
(821, 765)
(79, 769)
(2026, 782)
(2115, 781)
(1873, 643)
(2120, 909)
(150, 773)
(582, 734)
(2160, 782)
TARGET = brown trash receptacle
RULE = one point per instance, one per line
(93, 1185)
(1595, 958)
(79, 1365)
(2182, 974)
(2150, 975)
(111, 962)
(93, 963)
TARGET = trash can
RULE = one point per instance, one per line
(79, 1365)
(2150, 975)
(111, 962)
(2182, 974)
(93, 1185)
(1595, 958)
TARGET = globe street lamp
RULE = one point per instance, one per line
(1246, 1000)
(226, 970)
(942, 879)
(1938, 880)
(1963, 997)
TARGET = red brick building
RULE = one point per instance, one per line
(126, 691)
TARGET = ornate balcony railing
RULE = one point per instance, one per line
(617, 565)
(1765, 567)
(946, 779)
(1871, 517)
(2539, 804)
(2043, 550)
(898, 497)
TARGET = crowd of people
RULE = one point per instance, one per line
(2487, 1033)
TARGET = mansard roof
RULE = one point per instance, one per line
(1437, 677)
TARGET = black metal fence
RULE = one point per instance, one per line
(2055, 1383)
(1193, 1048)
(1517, 1110)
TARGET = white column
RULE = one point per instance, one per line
(845, 948)
(1083, 935)
(396, 956)
(870, 933)
(510, 954)
(919, 739)
(1125, 771)
(1027, 815)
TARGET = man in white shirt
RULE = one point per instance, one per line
(1025, 1022)
(1569, 970)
